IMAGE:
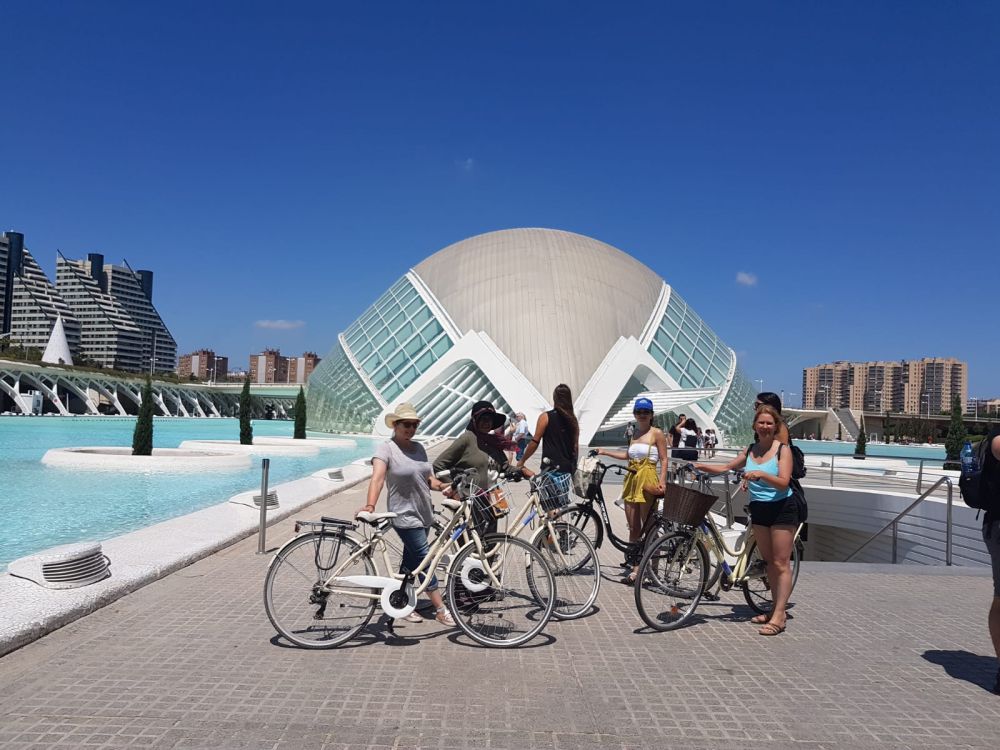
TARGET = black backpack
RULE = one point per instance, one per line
(798, 460)
(981, 489)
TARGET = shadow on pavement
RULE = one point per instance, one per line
(964, 665)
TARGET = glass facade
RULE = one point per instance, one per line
(337, 399)
(446, 408)
(397, 339)
(695, 357)
(688, 349)
(735, 417)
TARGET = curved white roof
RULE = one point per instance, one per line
(554, 302)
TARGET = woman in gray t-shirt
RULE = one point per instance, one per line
(400, 465)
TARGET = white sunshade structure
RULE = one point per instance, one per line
(506, 316)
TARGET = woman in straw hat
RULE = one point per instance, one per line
(400, 465)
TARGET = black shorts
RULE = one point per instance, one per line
(991, 535)
(786, 512)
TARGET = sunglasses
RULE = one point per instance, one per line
(407, 424)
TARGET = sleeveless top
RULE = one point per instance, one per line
(558, 442)
(759, 490)
(991, 473)
(640, 451)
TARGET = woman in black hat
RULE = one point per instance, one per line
(477, 446)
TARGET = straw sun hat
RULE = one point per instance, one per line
(404, 410)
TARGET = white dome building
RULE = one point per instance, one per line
(506, 316)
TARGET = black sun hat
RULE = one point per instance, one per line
(485, 407)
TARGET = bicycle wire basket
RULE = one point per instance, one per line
(685, 505)
(553, 490)
(489, 505)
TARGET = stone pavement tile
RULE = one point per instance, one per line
(191, 661)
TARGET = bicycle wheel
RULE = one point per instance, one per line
(756, 587)
(298, 605)
(512, 613)
(585, 518)
(671, 580)
(573, 561)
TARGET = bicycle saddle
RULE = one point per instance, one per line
(374, 518)
(450, 504)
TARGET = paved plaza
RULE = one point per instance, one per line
(873, 657)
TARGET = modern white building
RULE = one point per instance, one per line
(29, 303)
(506, 316)
(108, 335)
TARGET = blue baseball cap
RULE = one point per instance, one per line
(643, 403)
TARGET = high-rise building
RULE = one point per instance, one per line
(300, 368)
(31, 304)
(134, 290)
(268, 367)
(927, 385)
(108, 335)
(204, 364)
(120, 327)
(271, 367)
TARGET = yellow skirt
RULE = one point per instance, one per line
(644, 473)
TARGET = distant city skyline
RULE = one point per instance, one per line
(820, 182)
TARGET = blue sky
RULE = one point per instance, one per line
(287, 163)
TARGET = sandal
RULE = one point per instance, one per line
(629, 580)
(760, 619)
(444, 617)
(771, 629)
(414, 616)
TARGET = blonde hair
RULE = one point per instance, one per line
(768, 409)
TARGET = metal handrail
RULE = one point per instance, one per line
(894, 524)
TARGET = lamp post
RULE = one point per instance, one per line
(926, 396)
(761, 381)
(826, 390)
(793, 395)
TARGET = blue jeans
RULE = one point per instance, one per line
(415, 548)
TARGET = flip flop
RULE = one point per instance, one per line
(771, 629)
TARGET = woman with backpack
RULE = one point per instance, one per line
(774, 510)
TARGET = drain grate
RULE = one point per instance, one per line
(272, 500)
(67, 567)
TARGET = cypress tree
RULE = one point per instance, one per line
(142, 436)
(956, 432)
(300, 415)
(859, 447)
(246, 426)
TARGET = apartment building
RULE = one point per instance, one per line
(119, 326)
(204, 364)
(921, 386)
(271, 367)
(31, 305)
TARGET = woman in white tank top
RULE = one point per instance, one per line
(644, 454)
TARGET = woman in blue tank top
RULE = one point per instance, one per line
(774, 510)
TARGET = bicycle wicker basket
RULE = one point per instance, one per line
(685, 505)
(585, 479)
(553, 491)
(490, 504)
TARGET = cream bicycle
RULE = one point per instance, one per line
(323, 586)
(676, 570)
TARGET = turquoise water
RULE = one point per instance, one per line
(911, 452)
(44, 506)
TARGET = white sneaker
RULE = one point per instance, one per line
(414, 616)
(444, 617)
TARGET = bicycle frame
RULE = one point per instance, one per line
(403, 583)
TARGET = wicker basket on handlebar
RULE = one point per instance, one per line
(686, 506)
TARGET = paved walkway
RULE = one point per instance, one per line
(887, 659)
